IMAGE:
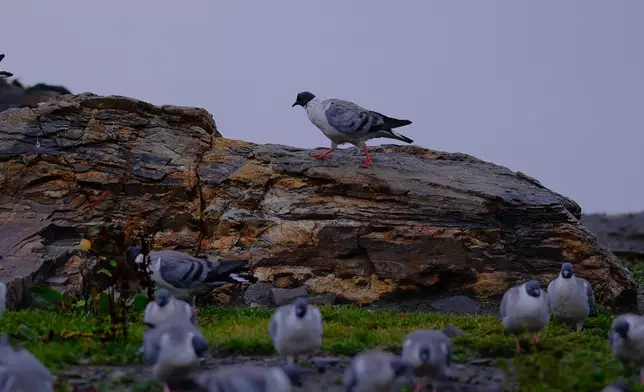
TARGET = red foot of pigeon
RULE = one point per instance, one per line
(536, 339)
(194, 308)
(519, 349)
(166, 388)
(367, 161)
(322, 155)
(419, 385)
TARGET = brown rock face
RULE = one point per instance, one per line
(623, 234)
(416, 220)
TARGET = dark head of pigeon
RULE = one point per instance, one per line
(303, 98)
(162, 297)
(300, 307)
(566, 271)
(533, 288)
(132, 253)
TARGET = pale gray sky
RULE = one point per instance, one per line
(553, 88)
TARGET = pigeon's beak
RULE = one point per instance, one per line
(294, 104)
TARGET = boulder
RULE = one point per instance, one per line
(417, 222)
(623, 234)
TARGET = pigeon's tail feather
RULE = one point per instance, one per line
(241, 278)
(395, 135)
(230, 266)
(228, 271)
(391, 122)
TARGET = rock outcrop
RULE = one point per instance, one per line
(623, 234)
(417, 221)
(14, 95)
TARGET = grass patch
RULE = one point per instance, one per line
(564, 361)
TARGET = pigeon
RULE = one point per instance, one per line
(345, 122)
(296, 329)
(167, 308)
(20, 371)
(173, 350)
(250, 378)
(430, 353)
(374, 371)
(617, 386)
(185, 276)
(4, 74)
(3, 298)
(571, 297)
(525, 308)
(626, 339)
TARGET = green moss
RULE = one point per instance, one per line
(564, 361)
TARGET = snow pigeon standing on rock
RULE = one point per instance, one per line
(345, 122)
(173, 350)
(571, 298)
(374, 371)
(296, 329)
(626, 339)
(430, 353)
(166, 308)
(524, 308)
(4, 74)
(3, 298)
(250, 378)
(185, 276)
(20, 371)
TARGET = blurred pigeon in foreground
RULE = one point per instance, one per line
(174, 351)
(22, 372)
(626, 339)
(250, 378)
(571, 298)
(525, 308)
(166, 308)
(185, 276)
(4, 74)
(345, 122)
(430, 353)
(617, 386)
(374, 371)
(3, 298)
(296, 329)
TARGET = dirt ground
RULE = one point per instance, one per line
(325, 375)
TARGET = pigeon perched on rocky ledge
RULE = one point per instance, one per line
(345, 122)
(571, 298)
(185, 276)
(525, 308)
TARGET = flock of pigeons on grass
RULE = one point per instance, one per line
(174, 347)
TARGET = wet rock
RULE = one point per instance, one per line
(417, 220)
(623, 234)
(457, 304)
(286, 296)
(259, 294)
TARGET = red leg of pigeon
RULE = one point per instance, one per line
(519, 349)
(324, 154)
(419, 385)
(536, 339)
(368, 160)
(166, 388)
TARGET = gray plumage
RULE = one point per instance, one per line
(173, 350)
(617, 386)
(430, 354)
(346, 122)
(4, 74)
(296, 329)
(626, 339)
(185, 276)
(250, 378)
(374, 371)
(20, 371)
(3, 298)
(524, 308)
(166, 308)
(571, 298)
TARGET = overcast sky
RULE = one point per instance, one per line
(552, 88)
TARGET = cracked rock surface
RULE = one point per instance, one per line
(417, 219)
